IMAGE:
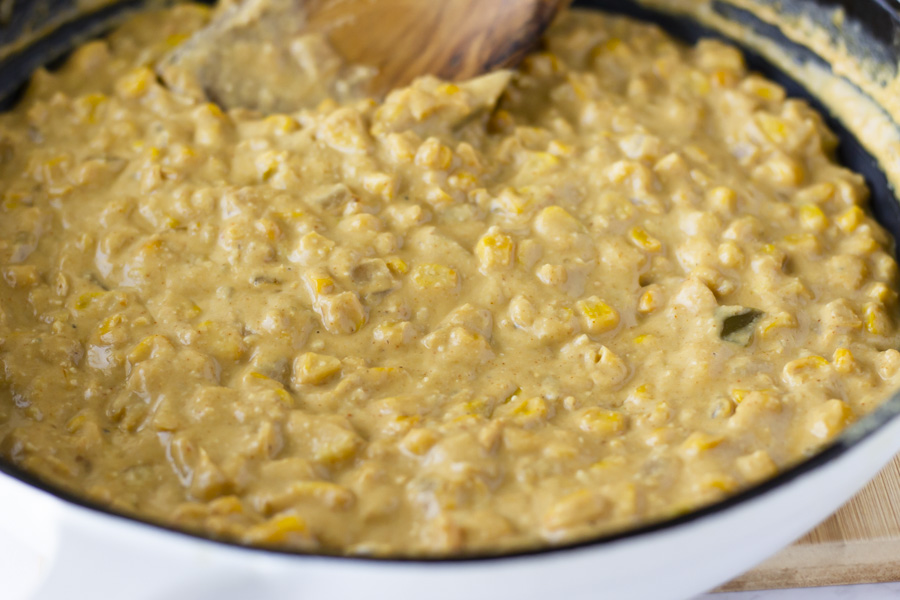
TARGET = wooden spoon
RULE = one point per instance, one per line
(281, 55)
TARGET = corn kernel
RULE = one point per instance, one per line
(699, 442)
(380, 184)
(829, 419)
(576, 509)
(529, 410)
(599, 317)
(850, 219)
(875, 318)
(774, 127)
(175, 40)
(397, 265)
(136, 83)
(463, 181)
(315, 369)
(494, 250)
(418, 441)
(640, 238)
(650, 301)
(435, 276)
(803, 369)
(843, 361)
(812, 218)
(603, 422)
(540, 163)
(555, 222)
(432, 154)
(278, 530)
(881, 292)
(448, 89)
(85, 300)
(282, 123)
(511, 203)
(319, 282)
(781, 320)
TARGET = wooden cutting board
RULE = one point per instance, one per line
(858, 544)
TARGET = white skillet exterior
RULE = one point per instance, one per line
(92, 555)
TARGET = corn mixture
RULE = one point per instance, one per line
(458, 320)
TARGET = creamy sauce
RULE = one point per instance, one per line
(428, 325)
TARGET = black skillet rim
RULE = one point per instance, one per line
(857, 433)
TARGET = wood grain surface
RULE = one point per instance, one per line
(858, 544)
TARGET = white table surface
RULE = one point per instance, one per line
(19, 569)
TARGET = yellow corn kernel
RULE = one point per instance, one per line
(75, 423)
(501, 120)
(812, 218)
(175, 40)
(829, 419)
(136, 83)
(763, 89)
(799, 370)
(432, 154)
(278, 529)
(512, 204)
(418, 441)
(447, 89)
(397, 265)
(883, 293)
(843, 361)
(644, 339)
(803, 241)
(650, 301)
(850, 219)
(560, 148)
(86, 106)
(599, 317)
(738, 395)
(610, 462)
(724, 78)
(110, 323)
(774, 127)
(212, 110)
(146, 347)
(722, 483)
(319, 282)
(380, 184)
(226, 505)
(578, 508)
(699, 442)
(816, 193)
(326, 492)
(603, 422)
(338, 447)
(640, 238)
(540, 163)
(531, 407)
(315, 369)
(494, 250)
(435, 276)
(700, 83)
(21, 276)
(438, 197)
(282, 123)
(782, 320)
(555, 221)
(722, 199)
(875, 318)
(463, 180)
(85, 300)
